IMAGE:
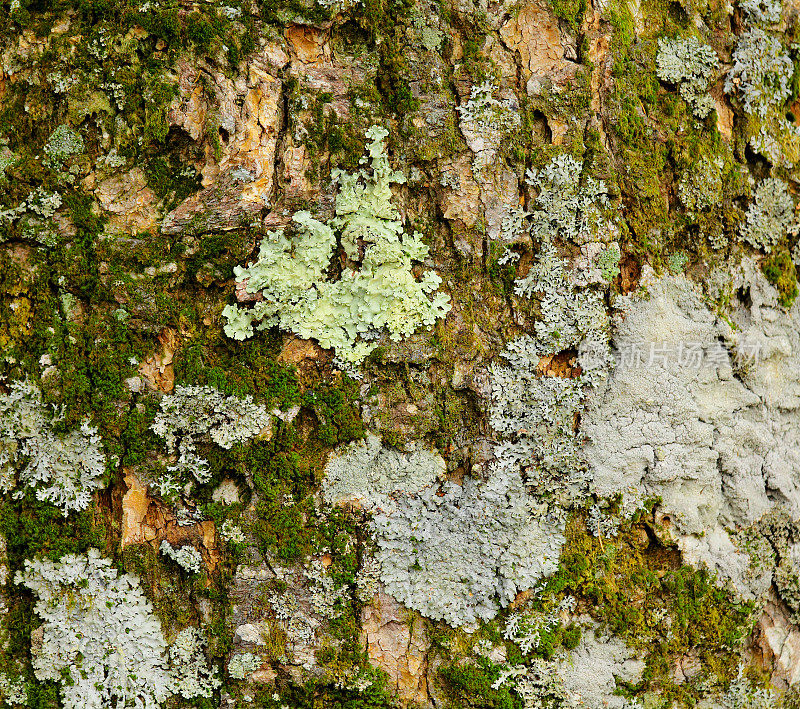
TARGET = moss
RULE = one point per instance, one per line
(170, 180)
(639, 589)
(32, 528)
(780, 272)
(571, 11)
(320, 693)
(468, 685)
(171, 594)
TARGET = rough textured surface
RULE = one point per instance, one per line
(450, 348)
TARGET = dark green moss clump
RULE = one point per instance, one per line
(470, 685)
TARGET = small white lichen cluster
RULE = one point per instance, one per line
(63, 469)
(368, 580)
(192, 413)
(602, 521)
(100, 640)
(483, 112)
(742, 694)
(485, 122)
(377, 290)
(569, 205)
(762, 72)
(299, 627)
(771, 215)
(62, 145)
(459, 552)
(326, 596)
(700, 187)
(691, 66)
(367, 472)
(538, 684)
(525, 629)
(191, 675)
(231, 532)
(13, 692)
(243, 665)
(187, 557)
(761, 12)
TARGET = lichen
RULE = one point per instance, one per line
(700, 187)
(459, 552)
(63, 469)
(243, 664)
(368, 472)
(771, 215)
(764, 12)
(187, 557)
(377, 290)
(193, 413)
(101, 641)
(762, 72)
(191, 676)
(691, 66)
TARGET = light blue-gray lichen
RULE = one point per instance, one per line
(63, 143)
(459, 552)
(195, 413)
(691, 66)
(376, 292)
(63, 468)
(368, 472)
(187, 557)
(100, 639)
(535, 415)
(761, 12)
(700, 187)
(761, 74)
(569, 205)
(770, 216)
(192, 676)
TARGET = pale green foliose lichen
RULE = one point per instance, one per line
(691, 66)
(63, 469)
(100, 640)
(569, 205)
(13, 692)
(377, 291)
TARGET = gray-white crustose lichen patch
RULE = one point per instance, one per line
(703, 415)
